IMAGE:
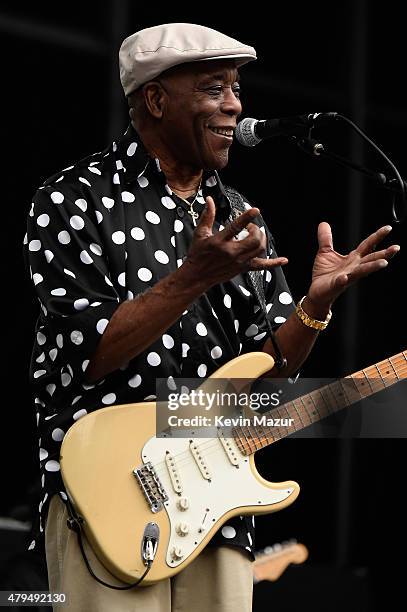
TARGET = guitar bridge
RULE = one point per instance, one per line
(151, 486)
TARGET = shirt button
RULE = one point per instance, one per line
(180, 211)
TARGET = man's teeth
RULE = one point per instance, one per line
(224, 132)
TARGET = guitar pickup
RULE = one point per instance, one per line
(230, 449)
(199, 459)
(173, 472)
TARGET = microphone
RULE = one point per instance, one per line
(249, 132)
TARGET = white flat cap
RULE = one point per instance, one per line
(147, 53)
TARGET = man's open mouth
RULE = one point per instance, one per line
(227, 132)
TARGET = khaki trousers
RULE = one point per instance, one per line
(219, 580)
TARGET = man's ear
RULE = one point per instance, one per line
(154, 97)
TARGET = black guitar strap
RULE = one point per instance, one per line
(255, 278)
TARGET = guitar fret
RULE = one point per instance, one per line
(330, 387)
(369, 381)
(376, 384)
(353, 392)
(265, 435)
(315, 409)
(285, 430)
(342, 394)
(253, 439)
(248, 440)
(284, 407)
(392, 369)
(297, 413)
(300, 412)
(359, 380)
(380, 374)
(243, 444)
(316, 405)
(278, 433)
(326, 406)
(395, 371)
(305, 419)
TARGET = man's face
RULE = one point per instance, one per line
(200, 114)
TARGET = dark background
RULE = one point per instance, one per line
(62, 100)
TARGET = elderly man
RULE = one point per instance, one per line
(135, 261)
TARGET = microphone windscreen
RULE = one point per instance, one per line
(245, 133)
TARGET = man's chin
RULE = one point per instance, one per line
(217, 162)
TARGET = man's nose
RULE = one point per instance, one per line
(231, 103)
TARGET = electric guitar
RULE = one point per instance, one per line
(274, 560)
(140, 496)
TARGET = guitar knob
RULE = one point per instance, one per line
(176, 553)
(182, 529)
(183, 504)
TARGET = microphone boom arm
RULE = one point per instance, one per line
(396, 185)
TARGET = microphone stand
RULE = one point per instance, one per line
(396, 185)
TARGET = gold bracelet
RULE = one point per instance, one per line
(309, 321)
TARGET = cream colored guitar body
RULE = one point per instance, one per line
(100, 453)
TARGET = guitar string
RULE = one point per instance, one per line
(214, 442)
(211, 441)
(402, 367)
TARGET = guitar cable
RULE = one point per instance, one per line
(74, 522)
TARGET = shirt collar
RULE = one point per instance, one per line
(132, 157)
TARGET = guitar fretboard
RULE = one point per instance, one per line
(323, 402)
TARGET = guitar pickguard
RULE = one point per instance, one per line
(204, 502)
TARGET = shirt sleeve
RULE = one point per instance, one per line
(64, 254)
(279, 304)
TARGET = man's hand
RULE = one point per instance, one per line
(220, 257)
(332, 273)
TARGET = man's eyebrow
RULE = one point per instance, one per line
(218, 76)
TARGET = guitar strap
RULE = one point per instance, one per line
(254, 277)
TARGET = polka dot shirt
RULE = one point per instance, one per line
(101, 232)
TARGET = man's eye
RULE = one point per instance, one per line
(216, 89)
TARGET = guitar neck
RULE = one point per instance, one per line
(323, 402)
(270, 566)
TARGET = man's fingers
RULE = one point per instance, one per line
(247, 255)
(233, 228)
(383, 254)
(254, 240)
(369, 243)
(258, 263)
(363, 269)
(207, 218)
(325, 236)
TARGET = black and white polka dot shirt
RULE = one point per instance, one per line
(101, 232)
